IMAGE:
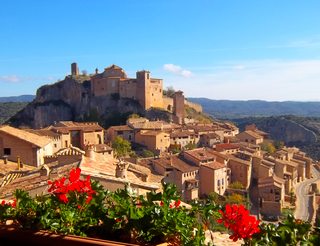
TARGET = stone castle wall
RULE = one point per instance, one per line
(168, 104)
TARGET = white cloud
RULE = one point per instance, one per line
(273, 80)
(9, 78)
(24, 79)
(175, 69)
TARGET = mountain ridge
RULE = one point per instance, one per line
(229, 109)
(21, 98)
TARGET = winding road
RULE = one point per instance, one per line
(302, 192)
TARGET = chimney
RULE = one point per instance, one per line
(121, 169)
(90, 152)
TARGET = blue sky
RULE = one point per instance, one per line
(220, 49)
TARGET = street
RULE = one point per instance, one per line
(302, 203)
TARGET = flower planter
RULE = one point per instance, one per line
(11, 235)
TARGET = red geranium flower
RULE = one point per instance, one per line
(237, 219)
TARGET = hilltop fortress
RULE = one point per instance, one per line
(146, 90)
(108, 97)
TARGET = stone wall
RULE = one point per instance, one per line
(271, 208)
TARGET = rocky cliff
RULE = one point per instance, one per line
(303, 132)
(70, 99)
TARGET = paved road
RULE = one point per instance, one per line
(302, 208)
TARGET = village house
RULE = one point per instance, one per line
(53, 136)
(254, 128)
(180, 173)
(181, 138)
(229, 126)
(141, 123)
(156, 141)
(123, 131)
(261, 168)
(213, 178)
(254, 149)
(210, 139)
(250, 137)
(241, 166)
(227, 148)
(199, 156)
(271, 195)
(78, 134)
(19, 145)
(285, 170)
(214, 173)
(201, 129)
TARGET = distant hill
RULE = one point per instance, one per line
(8, 109)
(228, 109)
(302, 132)
(22, 98)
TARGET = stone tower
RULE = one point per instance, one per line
(74, 69)
(178, 107)
(143, 88)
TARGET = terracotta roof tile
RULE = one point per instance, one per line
(175, 162)
(214, 165)
(25, 136)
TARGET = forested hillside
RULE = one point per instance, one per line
(8, 109)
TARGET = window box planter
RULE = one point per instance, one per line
(11, 235)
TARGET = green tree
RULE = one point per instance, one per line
(190, 146)
(169, 92)
(236, 185)
(235, 199)
(269, 147)
(278, 144)
(147, 153)
(175, 148)
(121, 147)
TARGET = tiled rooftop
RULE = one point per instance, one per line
(200, 154)
(25, 136)
(214, 165)
(175, 162)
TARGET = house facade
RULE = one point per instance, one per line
(30, 148)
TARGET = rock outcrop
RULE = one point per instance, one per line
(70, 99)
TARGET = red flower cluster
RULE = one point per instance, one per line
(12, 204)
(61, 188)
(239, 221)
(174, 204)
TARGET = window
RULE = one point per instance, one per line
(55, 145)
(7, 151)
(222, 181)
(218, 182)
(66, 143)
